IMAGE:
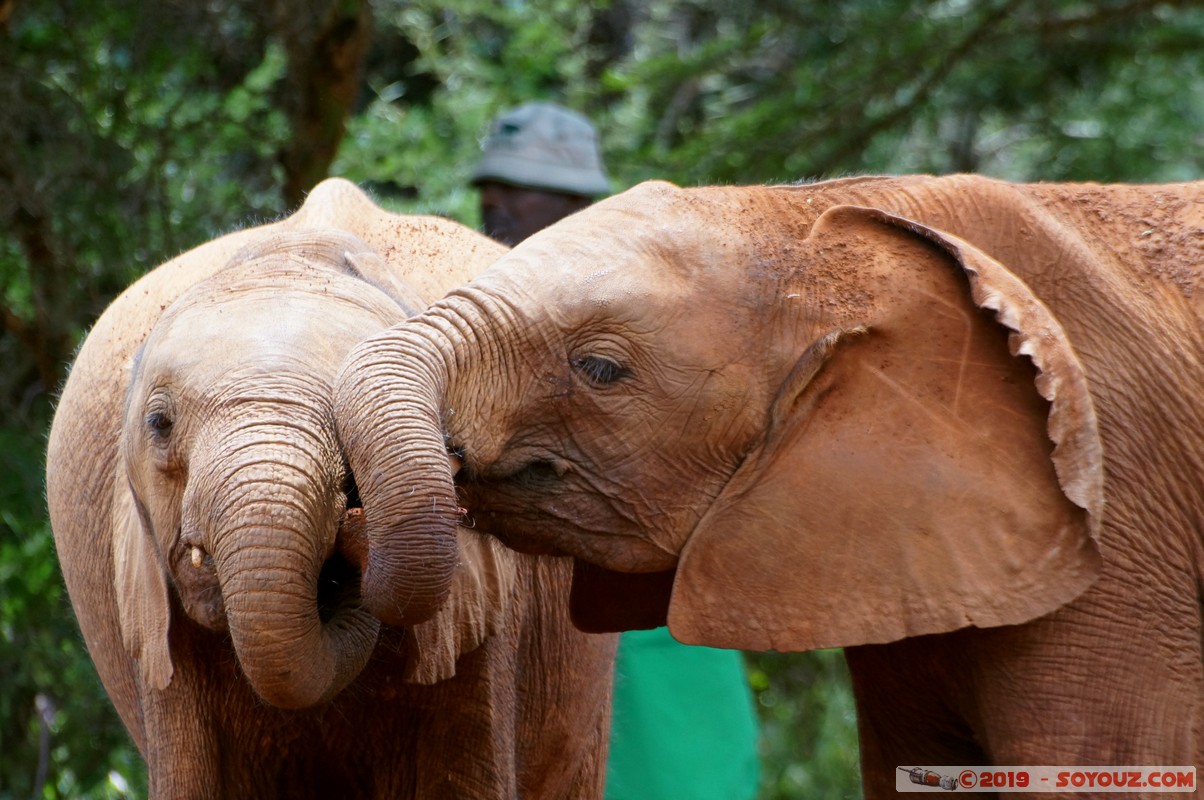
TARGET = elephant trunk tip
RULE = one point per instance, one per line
(405, 587)
(328, 650)
(398, 608)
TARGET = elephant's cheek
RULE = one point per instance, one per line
(200, 592)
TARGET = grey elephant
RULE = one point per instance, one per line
(211, 540)
(951, 424)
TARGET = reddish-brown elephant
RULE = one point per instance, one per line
(954, 425)
(207, 525)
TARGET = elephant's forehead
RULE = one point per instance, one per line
(692, 319)
(265, 330)
(614, 259)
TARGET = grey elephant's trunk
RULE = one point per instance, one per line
(277, 526)
(387, 402)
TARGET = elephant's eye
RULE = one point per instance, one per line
(599, 370)
(158, 423)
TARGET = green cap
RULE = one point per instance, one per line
(543, 146)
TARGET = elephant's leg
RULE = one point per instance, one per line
(1087, 686)
(183, 757)
(564, 691)
(468, 746)
(589, 778)
(908, 694)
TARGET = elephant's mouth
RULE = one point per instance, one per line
(511, 505)
(338, 588)
(339, 580)
(351, 489)
(542, 507)
(548, 507)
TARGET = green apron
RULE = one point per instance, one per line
(684, 726)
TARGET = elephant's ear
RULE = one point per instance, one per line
(932, 462)
(481, 598)
(142, 601)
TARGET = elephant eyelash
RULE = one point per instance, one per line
(600, 371)
(159, 423)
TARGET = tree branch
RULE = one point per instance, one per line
(1058, 27)
(859, 139)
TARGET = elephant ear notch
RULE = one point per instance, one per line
(143, 607)
(932, 461)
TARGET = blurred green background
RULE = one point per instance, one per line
(131, 131)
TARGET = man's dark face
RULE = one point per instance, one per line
(512, 213)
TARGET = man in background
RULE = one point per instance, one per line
(540, 164)
(683, 726)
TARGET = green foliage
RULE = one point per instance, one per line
(808, 725)
(56, 728)
(483, 56)
(709, 92)
(124, 142)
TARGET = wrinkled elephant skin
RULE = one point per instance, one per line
(226, 579)
(952, 424)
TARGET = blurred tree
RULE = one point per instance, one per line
(131, 131)
(325, 43)
(57, 729)
(783, 91)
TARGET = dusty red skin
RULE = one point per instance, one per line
(352, 540)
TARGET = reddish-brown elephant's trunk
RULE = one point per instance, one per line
(272, 533)
(387, 403)
(291, 658)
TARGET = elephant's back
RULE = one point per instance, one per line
(1155, 231)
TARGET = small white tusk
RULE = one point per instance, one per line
(455, 463)
(198, 557)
